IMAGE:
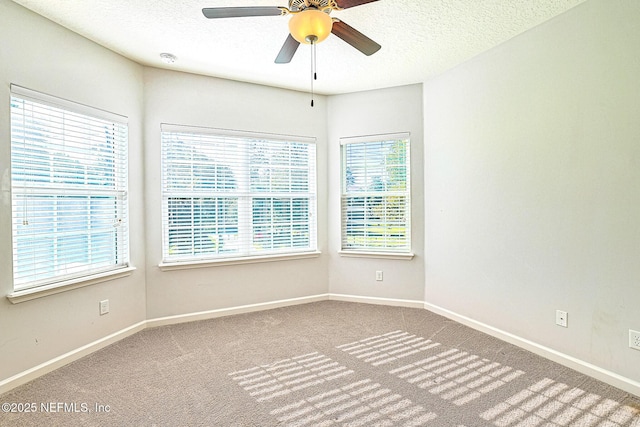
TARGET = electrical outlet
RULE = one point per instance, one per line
(379, 275)
(562, 318)
(104, 307)
(634, 339)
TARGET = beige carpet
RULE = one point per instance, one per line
(321, 364)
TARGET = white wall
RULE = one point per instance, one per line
(40, 55)
(179, 98)
(368, 113)
(532, 171)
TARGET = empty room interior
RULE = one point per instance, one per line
(509, 191)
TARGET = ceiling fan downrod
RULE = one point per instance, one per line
(314, 75)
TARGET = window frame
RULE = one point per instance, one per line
(113, 190)
(244, 194)
(403, 252)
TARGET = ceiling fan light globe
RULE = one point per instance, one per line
(310, 25)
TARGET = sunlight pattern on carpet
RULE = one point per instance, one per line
(553, 404)
(457, 375)
(350, 402)
(452, 374)
(289, 375)
(314, 390)
(362, 403)
(382, 349)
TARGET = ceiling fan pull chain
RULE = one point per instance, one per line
(313, 67)
(315, 60)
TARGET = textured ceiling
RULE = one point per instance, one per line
(419, 38)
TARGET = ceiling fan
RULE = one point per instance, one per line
(310, 23)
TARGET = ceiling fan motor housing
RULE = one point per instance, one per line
(299, 5)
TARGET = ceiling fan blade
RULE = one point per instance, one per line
(346, 4)
(288, 50)
(355, 38)
(239, 12)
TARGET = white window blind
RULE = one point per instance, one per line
(69, 190)
(230, 194)
(376, 194)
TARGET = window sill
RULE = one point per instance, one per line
(169, 266)
(405, 256)
(56, 288)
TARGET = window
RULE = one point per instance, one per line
(236, 194)
(68, 188)
(376, 194)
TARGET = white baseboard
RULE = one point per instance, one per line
(377, 300)
(55, 363)
(608, 377)
(581, 366)
(58, 362)
(211, 314)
